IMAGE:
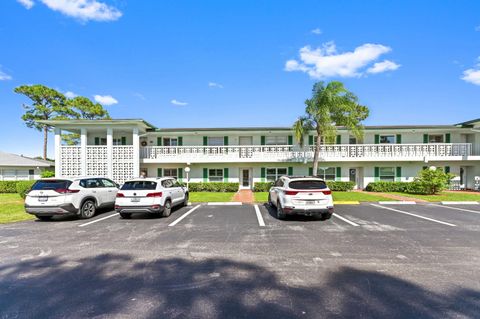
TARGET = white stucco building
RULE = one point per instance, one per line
(121, 149)
(15, 167)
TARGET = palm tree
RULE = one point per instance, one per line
(331, 106)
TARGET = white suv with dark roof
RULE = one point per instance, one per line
(302, 195)
(80, 196)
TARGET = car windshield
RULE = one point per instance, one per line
(139, 185)
(50, 184)
(308, 184)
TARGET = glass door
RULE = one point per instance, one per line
(245, 178)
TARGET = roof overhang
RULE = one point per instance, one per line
(92, 125)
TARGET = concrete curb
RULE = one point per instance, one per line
(401, 202)
(459, 203)
(224, 203)
(346, 202)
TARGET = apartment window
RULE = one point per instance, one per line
(169, 141)
(170, 172)
(215, 175)
(387, 174)
(274, 173)
(387, 139)
(103, 141)
(215, 141)
(435, 138)
(352, 140)
(117, 141)
(327, 173)
(276, 140)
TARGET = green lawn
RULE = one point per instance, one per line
(11, 209)
(199, 197)
(445, 196)
(337, 196)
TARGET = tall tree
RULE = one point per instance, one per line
(47, 104)
(331, 106)
(84, 108)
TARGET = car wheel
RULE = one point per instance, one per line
(185, 201)
(167, 209)
(280, 213)
(44, 218)
(269, 201)
(125, 215)
(88, 209)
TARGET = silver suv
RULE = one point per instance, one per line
(61, 196)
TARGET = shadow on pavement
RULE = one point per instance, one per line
(118, 285)
(272, 211)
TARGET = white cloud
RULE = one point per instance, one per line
(316, 31)
(70, 94)
(472, 76)
(383, 66)
(175, 102)
(4, 76)
(84, 9)
(326, 62)
(140, 96)
(105, 99)
(26, 3)
(215, 85)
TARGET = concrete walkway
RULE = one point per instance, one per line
(244, 196)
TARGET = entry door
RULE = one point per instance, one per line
(245, 140)
(353, 175)
(245, 178)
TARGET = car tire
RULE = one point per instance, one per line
(185, 201)
(280, 213)
(44, 218)
(167, 208)
(270, 201)
(126, 215)
(88, 209)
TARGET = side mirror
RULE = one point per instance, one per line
(118, 185)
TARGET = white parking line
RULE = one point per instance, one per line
(97, 220)
(415, 215)
(345, 220)
(261, 222)
(456, 208)
(183, 216)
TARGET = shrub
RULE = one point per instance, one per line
(23, 187)
(340, 186)
(213, 187)
(8, 186)
(262, 186)
(47, 174)
(386, 187)
(431, 181)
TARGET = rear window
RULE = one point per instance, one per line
(139, 185)
(51, 184)
(307, 184)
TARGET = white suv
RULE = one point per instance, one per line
(301, 195)
(150, 195)
(60, 196)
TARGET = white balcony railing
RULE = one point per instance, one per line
(281, 153)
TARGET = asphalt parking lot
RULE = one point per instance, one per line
(368, 261)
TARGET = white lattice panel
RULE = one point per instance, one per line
(97, 161)
(70, 157)
(122, 159)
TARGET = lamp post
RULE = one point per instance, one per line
(187, 170)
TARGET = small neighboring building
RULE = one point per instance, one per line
(15, 167)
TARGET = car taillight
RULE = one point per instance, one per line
(329, 192)
(66, 191)
(157, 194)
(120, 195)
(291, 193)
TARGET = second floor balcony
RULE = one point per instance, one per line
(291, 153)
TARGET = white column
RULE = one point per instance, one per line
(110, 153)
(136, 153)
(83, 151)
(58, 154)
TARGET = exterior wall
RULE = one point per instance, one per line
(19, 173)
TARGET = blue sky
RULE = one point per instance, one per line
(240, 63)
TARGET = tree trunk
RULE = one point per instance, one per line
(45, 141)
(316, 154)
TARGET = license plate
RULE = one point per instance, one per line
(135, 200)
(43, 199)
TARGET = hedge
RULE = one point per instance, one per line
(387, 187)
(8, 186)
(23, 187)
(213, 187)
(340, 186)
(262, 186)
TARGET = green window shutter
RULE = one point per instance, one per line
(447, 138)
(447, 169)
(377, 174)
(310, 171)
(180, 141)
(180, 174)
(398, 176)
(290, 171)
(262, 140)
(310, 140)
(399, 138)
(159, 141)
(425, 138)
(205, 175)
(377, 139)
(159, 172)
(262, 174)
(97, 140)
(338, 175)
(124, 140)
(339, 139)
(225, 140)
(225, 175)
(205, 140)
(290, 140)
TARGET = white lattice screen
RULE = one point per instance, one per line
(97, 161)
(70, 161)
(122, 159)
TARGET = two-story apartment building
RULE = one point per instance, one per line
(122, 149)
